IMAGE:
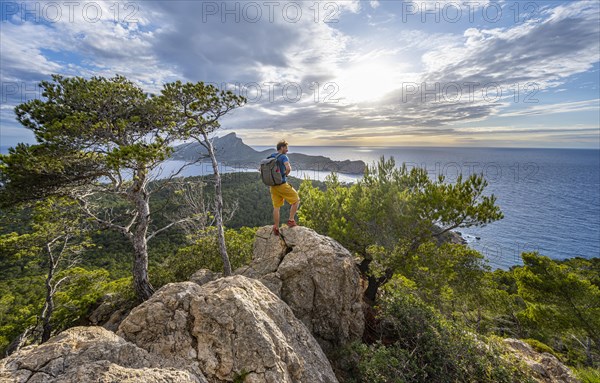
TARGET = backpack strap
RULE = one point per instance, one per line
(277, 158)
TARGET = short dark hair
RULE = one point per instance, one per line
(281, 144)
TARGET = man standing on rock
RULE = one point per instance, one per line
(285, 191)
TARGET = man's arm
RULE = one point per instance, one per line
(288, 168)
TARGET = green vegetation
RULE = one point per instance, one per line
(240, 377)
(417, 344)
(385, 217)
(441, 292)
(569, 296)
(105, 267)
(203, 253)
(99, 139)
(588, 375)
(438, 314)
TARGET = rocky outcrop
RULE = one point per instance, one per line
(316, 277)
(453, 237)
(219, 329)
(90, 354)
(228, 328)
(546, 368)
(231, 329)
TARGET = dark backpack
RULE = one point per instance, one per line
(270, 172)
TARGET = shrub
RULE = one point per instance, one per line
(419, 345)
(204, 254)
(587, 374)
(541, 347)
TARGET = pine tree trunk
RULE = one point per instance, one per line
(219, 207)
(370, 294)
(48, 310)
(141, 281)
(49, 304)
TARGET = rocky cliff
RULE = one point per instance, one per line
(223, 329)
(89, 354)
(316, 277)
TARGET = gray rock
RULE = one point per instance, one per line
(89, 354)
(269, 250)
(104, 371)
(316, 277)
(546, 367)
(109, 313)
(203, 276)
(454, 237)
(227, 328)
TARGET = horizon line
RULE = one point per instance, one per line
(425, 146)
(395, 146)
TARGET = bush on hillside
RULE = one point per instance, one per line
(203, 253)
(418, 345)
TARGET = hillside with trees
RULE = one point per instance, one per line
(84, 224)
(451, 281)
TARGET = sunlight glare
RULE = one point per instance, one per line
(367, 81)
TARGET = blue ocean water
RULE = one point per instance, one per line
(550, 197)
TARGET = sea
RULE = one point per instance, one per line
(550, 197)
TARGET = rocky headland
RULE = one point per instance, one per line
(232, 151)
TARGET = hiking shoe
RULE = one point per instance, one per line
(275, 230)
(291, 223)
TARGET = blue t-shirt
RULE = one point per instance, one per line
(281, 161)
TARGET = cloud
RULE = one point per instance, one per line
(83, 41)
(314, 49)
(22, 57)
(219, 42)
(491, 65)
(564, 107)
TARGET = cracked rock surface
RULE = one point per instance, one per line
(268, 324)
(228, 328)
(546, 368)
(89, 354)
(316, 277)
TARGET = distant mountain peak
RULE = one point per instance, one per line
(231, 150)
(229, 136)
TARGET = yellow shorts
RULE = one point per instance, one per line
(281, 192)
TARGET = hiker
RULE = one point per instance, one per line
(283, 191)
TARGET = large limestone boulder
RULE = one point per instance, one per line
(89, 354)
(228, 328)
(546, 367)
(316, 276)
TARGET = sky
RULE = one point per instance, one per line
(481, 73)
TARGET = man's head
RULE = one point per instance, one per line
(282, 146)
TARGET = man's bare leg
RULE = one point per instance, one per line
(293, 210)
(276, 217)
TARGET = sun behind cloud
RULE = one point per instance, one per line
(368, 80)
